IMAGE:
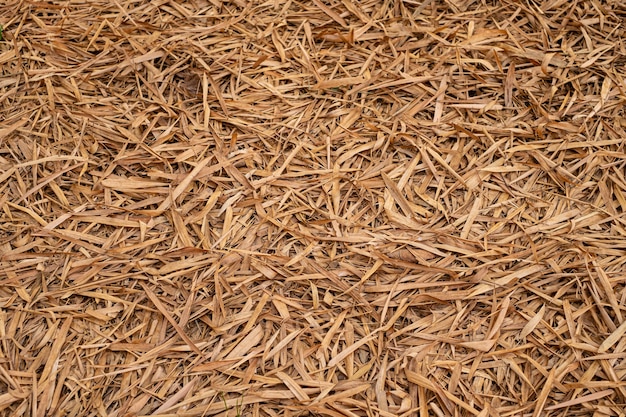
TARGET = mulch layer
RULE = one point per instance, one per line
(326, 208)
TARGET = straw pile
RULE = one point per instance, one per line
(325, 207)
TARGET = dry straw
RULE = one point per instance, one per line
(327, 207)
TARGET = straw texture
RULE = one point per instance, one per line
(326, 207)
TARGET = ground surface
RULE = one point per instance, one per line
(376, 208)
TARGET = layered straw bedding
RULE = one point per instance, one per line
(324, 207)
